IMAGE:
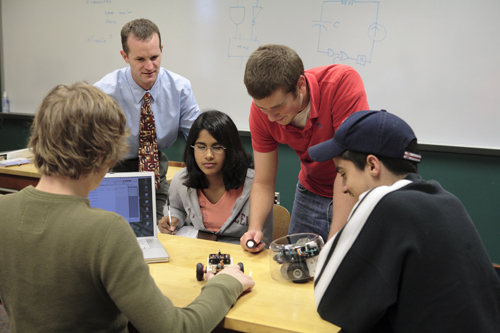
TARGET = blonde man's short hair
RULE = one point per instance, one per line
(140, 29)
(272, 67)
(77, 130)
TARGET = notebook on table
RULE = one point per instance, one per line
(132, 195)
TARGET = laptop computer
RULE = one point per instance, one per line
(132, 195)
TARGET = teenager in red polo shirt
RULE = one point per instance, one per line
(298, 108)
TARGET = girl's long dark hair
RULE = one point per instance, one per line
(237, 160)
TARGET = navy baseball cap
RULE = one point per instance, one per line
(371, 132)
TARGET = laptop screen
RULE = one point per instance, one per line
(132, 195)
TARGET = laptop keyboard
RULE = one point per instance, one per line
(144, 243)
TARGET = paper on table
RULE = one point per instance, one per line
(186, 231)
(15, 161)
(16, 154)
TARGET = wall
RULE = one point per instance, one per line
(434, 63)
(474, 179)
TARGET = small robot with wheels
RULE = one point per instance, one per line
(215, 263)
(298, 261)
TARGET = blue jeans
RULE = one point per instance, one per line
(311, 213)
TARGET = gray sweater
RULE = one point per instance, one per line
(184, 205)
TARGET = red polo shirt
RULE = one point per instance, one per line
(336, 91)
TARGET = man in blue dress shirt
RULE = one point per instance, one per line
(172, 100)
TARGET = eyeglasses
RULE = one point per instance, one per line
(200, 149)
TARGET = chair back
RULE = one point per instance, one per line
(281, 221)
(177, 164)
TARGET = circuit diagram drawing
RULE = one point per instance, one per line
(348, 30)
(243, 15)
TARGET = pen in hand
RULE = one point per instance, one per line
(170, 216)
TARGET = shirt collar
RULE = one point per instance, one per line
(413, 177)
(313, 86)
(138, 92)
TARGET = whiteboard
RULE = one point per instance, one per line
(434, 63)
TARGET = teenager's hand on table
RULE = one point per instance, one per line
(234, 270)
(256, 236)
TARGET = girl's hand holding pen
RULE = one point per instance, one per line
(167, 226)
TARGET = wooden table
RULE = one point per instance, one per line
(271, 306)
(15, 178)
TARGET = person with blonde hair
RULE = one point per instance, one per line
(67, 267)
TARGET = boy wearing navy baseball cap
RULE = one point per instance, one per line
(409, 258)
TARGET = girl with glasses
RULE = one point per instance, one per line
(212, 192)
